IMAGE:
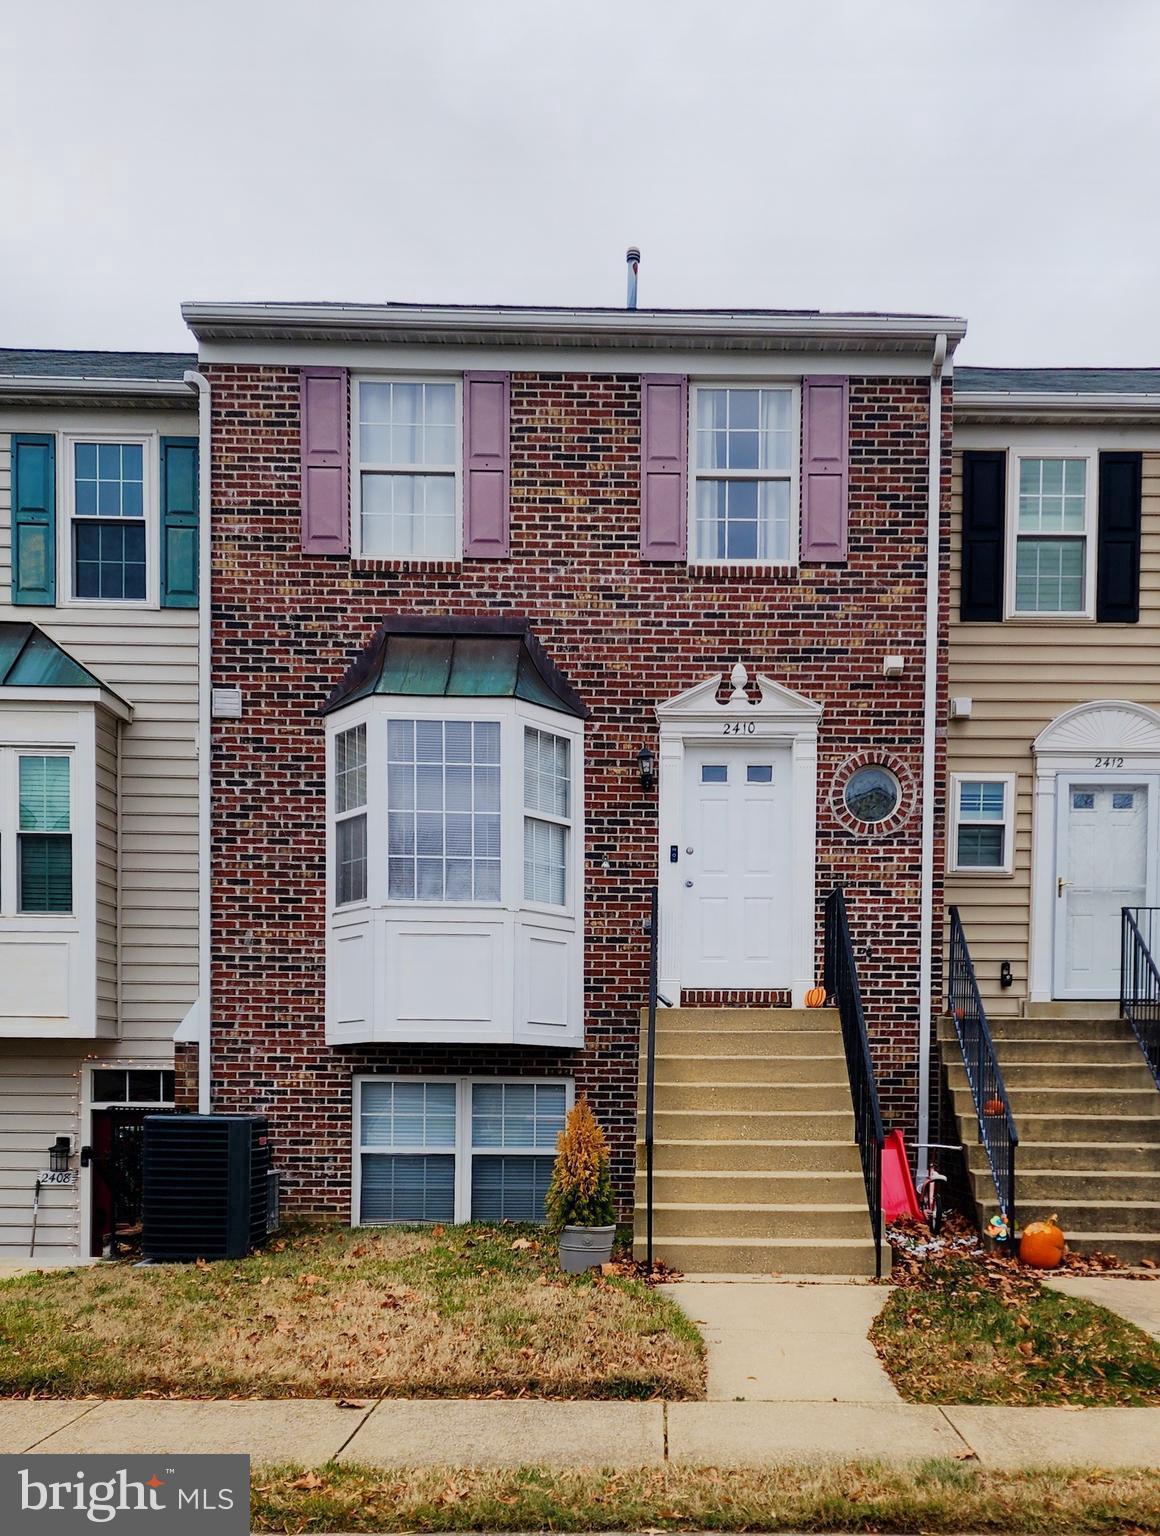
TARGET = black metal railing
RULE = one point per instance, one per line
(650, 1074)
(1140, 981)
(992, 1106)
(842, 989)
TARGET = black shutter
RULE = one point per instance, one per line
(1118, 550)
(984, 512)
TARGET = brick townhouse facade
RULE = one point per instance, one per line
(723, 519)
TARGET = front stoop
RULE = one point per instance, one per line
(1088, 1117)
(755, 1166)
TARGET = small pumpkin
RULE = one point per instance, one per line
(815, 997)
(993, 1107)
(1042, 1244)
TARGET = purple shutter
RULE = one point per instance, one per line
(825, 472)
(664, 464)
(325, 517)
(485, 465)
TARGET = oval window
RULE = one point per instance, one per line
(872, 794)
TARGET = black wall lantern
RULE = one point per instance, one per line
(59, 1154)
(1005, 977)
(646, 765)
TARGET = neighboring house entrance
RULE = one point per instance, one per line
(122, 1097)
(734, 865)
(738, 818)
(1097, 791)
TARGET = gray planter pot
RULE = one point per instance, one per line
(584, 1248)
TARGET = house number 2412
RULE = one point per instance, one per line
(739, 728)
(1109, 762)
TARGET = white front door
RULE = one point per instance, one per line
(734, 861)
(1103, 862)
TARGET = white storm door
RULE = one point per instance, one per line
(1103, 862)
(734, 867)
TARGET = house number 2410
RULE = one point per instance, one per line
(739, 728)
(1109, 762)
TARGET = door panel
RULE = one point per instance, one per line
(734, 867)
(1103, 864)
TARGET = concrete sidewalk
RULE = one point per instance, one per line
(498, 1433)
(1138, 1300)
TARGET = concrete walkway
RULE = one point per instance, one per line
(1137, 1300)
(407, 1433)
(786, 1341)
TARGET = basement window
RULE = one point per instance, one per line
(455, 1148)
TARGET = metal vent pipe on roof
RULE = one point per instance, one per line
(632, 256)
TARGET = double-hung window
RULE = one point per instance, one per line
(456, 1149)
(40, 879)
(547, 816)
(350, 816)
(1053, 540)
(983, 817)
(744, 470)
(108, 532)
(443, 810)
(408, 480)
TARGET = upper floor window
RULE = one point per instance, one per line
(1053, 536)
(744, 471)
(108, 527)
(36, 823)
(408, 468)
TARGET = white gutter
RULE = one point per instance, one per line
(29, 384)
(930, 724)
(204, 744)
(1094, 405)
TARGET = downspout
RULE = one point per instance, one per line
(929, 740)
(204, 742)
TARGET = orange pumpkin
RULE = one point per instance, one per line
(1042, 1244)
(815, 997)
(993, 1107)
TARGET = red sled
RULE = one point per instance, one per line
(899, 1197)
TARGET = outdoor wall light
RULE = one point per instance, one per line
(646, 766)
(1005, 977)
(59, 1154)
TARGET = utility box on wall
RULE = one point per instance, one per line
(207, 1188)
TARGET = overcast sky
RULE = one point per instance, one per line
(994, 160)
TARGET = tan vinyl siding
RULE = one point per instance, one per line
(39, 1100)
(1020, 676)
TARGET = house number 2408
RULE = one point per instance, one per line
(739, 728)
(1109, 762)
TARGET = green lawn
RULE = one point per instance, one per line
(969, 1332)
(937, 1497)
(327, 1312)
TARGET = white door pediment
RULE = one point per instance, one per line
(776, 704)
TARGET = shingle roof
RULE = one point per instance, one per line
(493, 658)
(1061, 381)
(40, 362)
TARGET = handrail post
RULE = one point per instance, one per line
(650, 1077)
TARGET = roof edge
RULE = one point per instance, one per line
(46, 386)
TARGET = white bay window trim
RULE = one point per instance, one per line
(1017, 456)
(494, 972)
(790, 475)
(452, 469)
(463, 1150)
(1006, 822)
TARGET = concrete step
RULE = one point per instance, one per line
(1040, 1186)
(1084, 1102)
(1061, 1029)
(1049, 1157)
(1068, 1123)
(1134, 1217)
(742, 1221)
(1085, 1012)
(1128, 1247)
(1034, 1048)
(815, 1158)
(781, 1070)
(747, 1042)
(751, 1186)
(1102, 1077)
(713, 1020)
(750, 1125)
(766, 1256)
(766, 1097)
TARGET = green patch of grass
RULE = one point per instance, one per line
(967, 1335)
(453, 1311)
(937, 1496)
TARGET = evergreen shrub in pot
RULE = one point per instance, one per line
(579, 1201)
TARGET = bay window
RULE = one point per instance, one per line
(547, 800)
(443, 810)
(44, 839)
(455, 1149)
(350, 816)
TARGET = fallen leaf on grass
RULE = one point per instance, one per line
(346, 1402)
(521, 1243)
(307, 1480)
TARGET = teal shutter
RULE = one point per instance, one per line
(34, 518)
(179, 522)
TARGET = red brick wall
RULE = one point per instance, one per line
(627, 635)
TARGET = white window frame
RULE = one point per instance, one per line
(10, 754)
(974, 871)
(336, 816)
(464, 1150)
(548, 816)
(150, 443)
(357, 465)
(1015, 457)
(794, 388)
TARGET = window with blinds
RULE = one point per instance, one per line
(44, 834)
